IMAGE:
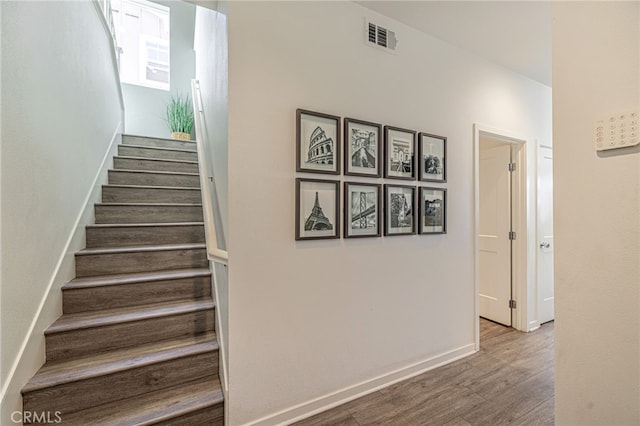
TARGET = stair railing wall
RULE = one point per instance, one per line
(215, 239)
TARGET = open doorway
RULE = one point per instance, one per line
(501, 227)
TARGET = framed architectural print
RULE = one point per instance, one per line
(433, 211)
(400, 147)
(317, 142)
(362, 210)
(432, 163)
(317, 207)
(362, 148)
(399, 210)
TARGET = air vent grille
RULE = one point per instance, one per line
(381, 36)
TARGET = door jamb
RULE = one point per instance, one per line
(519, 271)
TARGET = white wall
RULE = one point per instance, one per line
(324, 319)
(145, 108)
(596, 71)
(61, 110)
(210, 44)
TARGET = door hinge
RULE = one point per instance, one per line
(512, 167)
(512, 304)
(512, 235)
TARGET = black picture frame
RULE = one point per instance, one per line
(367, 201)
(312, 222)
(433, 211)
(432, 158)
(396, 210)
(398, 163)
(362, 156)
(317, 142)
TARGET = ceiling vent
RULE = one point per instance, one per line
(381, 37)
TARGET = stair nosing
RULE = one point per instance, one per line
(156, 148)
(154, 137)
(134, 278)
(128, 157)
(129, 314)
(151, 204)
(157, 172)
(138, 356)
(182, 188)
(133, 249)
(146, 224)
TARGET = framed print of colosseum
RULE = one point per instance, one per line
(432, 158)
(399, 210)
(433, 211)
(317, 142)
(363, 148)
(317, 207)
(362, 210)
(400, 148)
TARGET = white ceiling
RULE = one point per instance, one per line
(514, 34)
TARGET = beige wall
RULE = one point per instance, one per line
(597, 216)
(313, 323)
(61, 110)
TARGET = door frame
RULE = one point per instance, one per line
(519, 264)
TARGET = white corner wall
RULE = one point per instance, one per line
(314, 323)
(596, 71)
(61, 112)
(145, 108)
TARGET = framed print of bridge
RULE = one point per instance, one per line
(432, 158)
(363, 148)
(400, 148)
(317, 207)
(362, 210)
(317, 142)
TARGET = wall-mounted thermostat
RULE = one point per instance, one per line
(617, 131)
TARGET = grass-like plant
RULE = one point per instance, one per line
(179, 114)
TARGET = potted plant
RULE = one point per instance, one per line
(180, 117)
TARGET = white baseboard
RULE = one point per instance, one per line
(323, 403)
(32, 351)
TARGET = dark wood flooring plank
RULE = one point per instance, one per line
(510, 381)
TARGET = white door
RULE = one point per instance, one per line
(495, 224)
(545, 235)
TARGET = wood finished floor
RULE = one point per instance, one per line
(509, 382)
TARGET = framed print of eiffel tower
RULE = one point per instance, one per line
(317, 207)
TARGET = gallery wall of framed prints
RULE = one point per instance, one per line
(373, 158)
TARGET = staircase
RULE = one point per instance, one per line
(136, 343)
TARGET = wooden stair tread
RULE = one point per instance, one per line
(160, 172)
(155, 148)
(103, 318)
(151, 204)
(171, 160)
(53, 374)
(118, 279)
(153, 407)
(118, 185)
(124, 135)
